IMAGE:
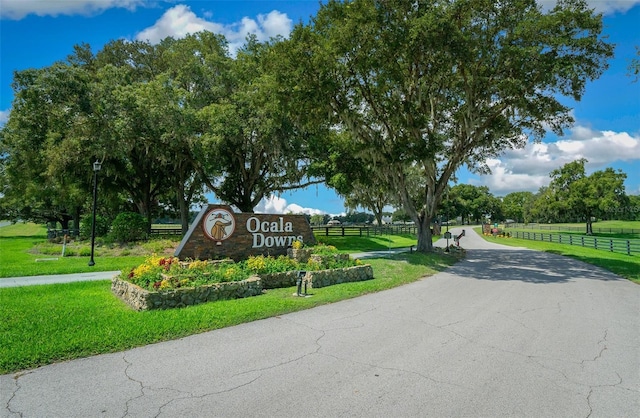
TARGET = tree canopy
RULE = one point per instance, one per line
(383, 100)
(166, 120)
(430, 86)
(573, 194)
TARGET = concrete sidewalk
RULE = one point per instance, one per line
(56, 278)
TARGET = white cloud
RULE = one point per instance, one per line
(17, 9)
(278, 205)
(179, 21)
(529, 168)
(600, 6)
(4, 116)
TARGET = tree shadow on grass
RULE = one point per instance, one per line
(375, 243)
(434, 261)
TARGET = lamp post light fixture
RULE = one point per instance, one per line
(97, 165)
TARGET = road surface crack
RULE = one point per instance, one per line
(126, 373)
(603, 341)
(16, 383)
(204, 395)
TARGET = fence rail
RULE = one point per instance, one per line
(327, 231)
(166, 231)
(363, 231)
(54, 233)
(575, 228)
(615, 245)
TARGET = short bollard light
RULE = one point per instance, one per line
(301, 274)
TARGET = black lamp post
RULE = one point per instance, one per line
(97, 165)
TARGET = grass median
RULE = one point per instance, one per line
(627, 266)
(40, 325)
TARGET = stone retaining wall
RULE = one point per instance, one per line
(323, 278)
(141, 299)
(279, 280)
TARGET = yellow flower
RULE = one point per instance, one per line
(256, 264)
(198, 264)
(141, 270)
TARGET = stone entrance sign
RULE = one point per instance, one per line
(218, 232)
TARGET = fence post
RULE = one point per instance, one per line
(611, 245)
(582, 239)
(560, 239)
(628, 247)
(595, 243)
(570, 239)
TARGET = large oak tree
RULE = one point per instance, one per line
(434, 85)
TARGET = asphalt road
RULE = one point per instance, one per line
(505, 333)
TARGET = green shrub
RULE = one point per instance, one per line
(128, 227)
(323, 249)
(102, 226)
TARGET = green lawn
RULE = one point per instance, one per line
(625, 265)
(44, 324)
(372, 243)
(16, 260)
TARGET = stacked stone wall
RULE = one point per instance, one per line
(279, 280)
(142, 299)
(324, 278)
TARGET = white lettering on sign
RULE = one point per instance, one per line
(260, 240)
(254, 225)
(260, 228)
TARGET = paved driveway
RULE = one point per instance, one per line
(507, 332)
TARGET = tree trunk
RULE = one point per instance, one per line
(184, 210)
(425, 244)
(64, 222)
(589, 226)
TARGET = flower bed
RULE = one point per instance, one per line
(161, 283)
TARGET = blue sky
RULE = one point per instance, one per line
(36, 33)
